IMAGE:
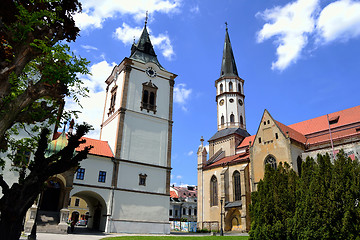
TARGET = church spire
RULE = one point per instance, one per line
(143, 50)
(228, 65)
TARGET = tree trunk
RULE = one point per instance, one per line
(10, 224)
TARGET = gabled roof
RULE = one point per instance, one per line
(228, 65)
(295, 135)
(143, 50)
(345, 117)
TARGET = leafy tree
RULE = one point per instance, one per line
(37, 71)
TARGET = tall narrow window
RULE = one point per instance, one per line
(299, 162)
(102, 176)
(148, 100)
(112, 100)
(142, 179)
(80, 173)
(232, 118)
(77, 202)
(222, 120)
(221, 88)
(239, 87)
(230, 86)
(213, 192)
(241, 120)
(237, 186)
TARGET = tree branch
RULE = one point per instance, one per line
(4, 185)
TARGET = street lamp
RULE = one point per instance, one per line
(221, 214)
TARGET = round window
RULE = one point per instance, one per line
(231, 100)
(240, 102)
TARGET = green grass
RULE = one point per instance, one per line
(177, 237)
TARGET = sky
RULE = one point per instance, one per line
(299, 59)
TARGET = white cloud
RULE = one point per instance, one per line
(182, 95)
(179, 177)
(93, 106)
(297, 22)
(88, 47)
(195, 9)
(291, 25)
(190, 153)
(339, 20)
(127, 34)
(96, 12)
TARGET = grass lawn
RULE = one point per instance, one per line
(177, 238)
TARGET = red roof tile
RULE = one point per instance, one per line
(346, 116)
(173, 194)
(293, 134)
(230, 159)
(245, 142)
(101, 148)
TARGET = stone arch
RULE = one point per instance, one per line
(270, 159)
(233, 220)
(53, 195)
(97, 209)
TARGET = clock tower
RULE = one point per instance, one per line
(137, 123)
(231, 124)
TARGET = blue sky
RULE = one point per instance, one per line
(299, 59)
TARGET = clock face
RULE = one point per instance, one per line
(240, 102)
(221, 102)
(150, 72)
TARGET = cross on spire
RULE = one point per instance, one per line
(226, 24)
(146, 18)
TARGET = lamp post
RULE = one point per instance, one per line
(221, 222)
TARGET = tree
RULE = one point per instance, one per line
(37, 71)
(323, 203)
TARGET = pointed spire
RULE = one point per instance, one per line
(228, 65)
(143, 50)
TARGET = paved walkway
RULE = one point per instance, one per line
(99, 235)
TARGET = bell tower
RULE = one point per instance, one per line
(231, 124)
(230, 91)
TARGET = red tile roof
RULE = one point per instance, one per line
(229, 160)
(245, 142)
(101, 148)
(184, 192)
(173, 194)
(293, 134)
(346, 116)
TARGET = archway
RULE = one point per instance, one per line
(52, 196)
(96, 218)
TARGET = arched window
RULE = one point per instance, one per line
(241, 120)
(270, 159)
(237, 186)
(239, 87)
(213, 191)
(221, 88)
(232, 118)
(148, 100)
(222, 120)
(230, 86)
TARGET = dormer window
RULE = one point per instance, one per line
(148, 100)
(334, 120)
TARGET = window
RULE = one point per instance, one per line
(241, 120)
(102, 176)
(231, 118)
(237, 186)
(142, 179)
(148, 100)
(195, 211)
(268, 121)
(189, 211)
(299, 162)
(77, 202)
(259, 139)
(222, 120)
(80, 173)
(334, 120)
(276, 136)
(271, 161)
(264, 122)
(112, 100)
(239, 88)
(221, 88)
(176, 213)
(213, 192)
(230, 86)
(184, 211)
(170, 212)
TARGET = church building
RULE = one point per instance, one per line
(237, 160)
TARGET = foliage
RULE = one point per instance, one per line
(323, 203)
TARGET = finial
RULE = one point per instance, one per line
(202, 141)
(134, 38)
(146, 18)
(226, 26)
